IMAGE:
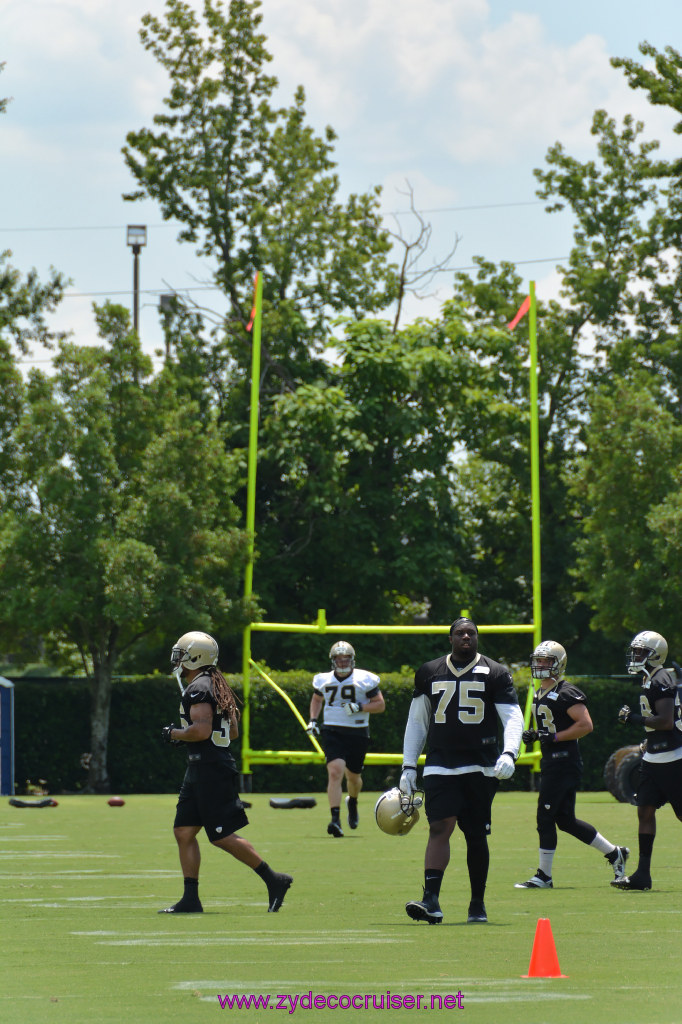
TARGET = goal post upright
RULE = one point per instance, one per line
(255, 327)
(250, 756)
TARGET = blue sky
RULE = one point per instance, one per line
(460, 98)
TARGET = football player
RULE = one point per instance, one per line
(209, 796)
(456, 704)
(661, 768)
(348, 695)
(562, 718)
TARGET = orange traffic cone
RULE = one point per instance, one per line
(544, 963)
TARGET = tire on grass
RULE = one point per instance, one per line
(628, 775)
(611, 771)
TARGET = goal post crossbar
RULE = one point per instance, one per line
(251, 756)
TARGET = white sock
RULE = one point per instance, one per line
(603, 845)
(546, 858)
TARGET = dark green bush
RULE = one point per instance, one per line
(52, 732)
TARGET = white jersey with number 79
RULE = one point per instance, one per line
(357, 688)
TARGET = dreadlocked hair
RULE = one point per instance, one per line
(225, 698)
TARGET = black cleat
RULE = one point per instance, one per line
(184, 907)
(353, 816)
(277, 891)
(427, 909)
(539, 881)
(618, 865)
(477, 914)
(334, 829)
(638, 881)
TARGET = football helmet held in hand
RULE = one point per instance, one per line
(408, 782)
(397, 814)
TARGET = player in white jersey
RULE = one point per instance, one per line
(348, 695)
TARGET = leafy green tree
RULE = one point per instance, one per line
(623, 287)
(255, 189)
(624, 278)
(119, 521)
(629, 482)
(491, 477)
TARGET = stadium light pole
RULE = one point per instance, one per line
(136, 238)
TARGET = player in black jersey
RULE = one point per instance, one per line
(457, 703)
(661, 768)
(562, 718)
(209, 796)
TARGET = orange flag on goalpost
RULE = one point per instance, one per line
(254, 310)
(523, 309)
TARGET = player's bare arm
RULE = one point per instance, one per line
(582, 724)
(375, 705)
(201, 726)
(316, 705)
(664, 719)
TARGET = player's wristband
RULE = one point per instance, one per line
(511, 754)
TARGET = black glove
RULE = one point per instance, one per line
(166, 735)
(531, 735)
(628, 717)
(678, 672)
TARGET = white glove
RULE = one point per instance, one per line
(312, 728)
(408, 782)
(352, 708)
(504, 766)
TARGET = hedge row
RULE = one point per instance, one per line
(52, 733)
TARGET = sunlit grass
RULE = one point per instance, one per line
(83, 943)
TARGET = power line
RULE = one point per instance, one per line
(170, 223)
(459, 209)
(87, 227)
(215, 288)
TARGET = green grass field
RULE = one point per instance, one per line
(83, 944)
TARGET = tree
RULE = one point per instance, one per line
(120, 520)
(629, 481)
(623, 286)
(254, 188)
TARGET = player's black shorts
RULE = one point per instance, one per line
(660, 784)
(557, 792)
(350, 745)
(467, 797)
(209, 797)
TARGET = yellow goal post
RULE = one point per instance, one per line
(315, 755)
(314, 752)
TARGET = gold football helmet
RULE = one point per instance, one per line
(395, 813)
(648, 650)
(194, 650)
(554, 651)
(342, 649)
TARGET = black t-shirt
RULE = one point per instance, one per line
(661, 686)
(216, 747)
(550, 709)
(464, 724)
